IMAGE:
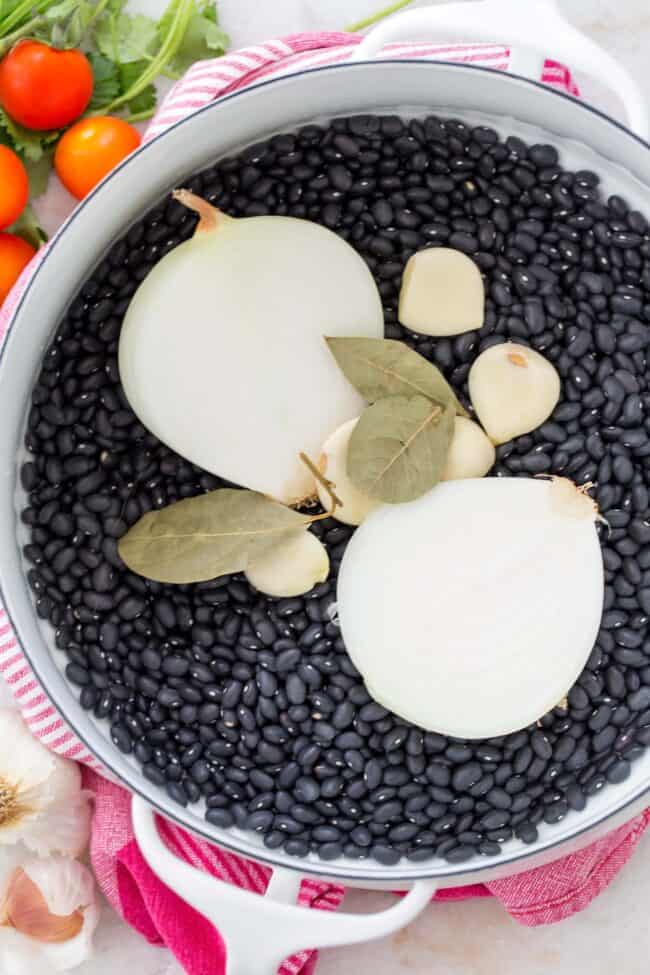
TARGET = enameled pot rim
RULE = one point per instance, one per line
(135, 781)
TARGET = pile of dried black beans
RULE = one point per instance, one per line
(251, 702)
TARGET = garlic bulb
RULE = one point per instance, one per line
(473, 610)
(355, 506)
(292, 567)
(47, 916)
(41, 800)
(222, 352)
(442, 293)
(513, 390)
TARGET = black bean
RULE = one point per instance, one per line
(541, 745)
(466, 776)
(619, 771)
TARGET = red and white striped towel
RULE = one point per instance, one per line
(536, 897)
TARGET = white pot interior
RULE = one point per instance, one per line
(512, 106)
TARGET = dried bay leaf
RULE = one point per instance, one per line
(386, 367)
(398, 448)
(207, 536)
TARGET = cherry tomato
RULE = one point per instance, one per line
(42, 88)
(15, 253)
(90, 149)
(14, 187)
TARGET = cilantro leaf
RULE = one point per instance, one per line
(124, 38)
(128, 75)
(27, 143)
(106, 77)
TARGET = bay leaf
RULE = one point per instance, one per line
(386, 367)
(398, 449)
(207, 536)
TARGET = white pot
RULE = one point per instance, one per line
(587, 139)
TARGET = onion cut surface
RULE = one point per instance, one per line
(473, 610)
(222, 353)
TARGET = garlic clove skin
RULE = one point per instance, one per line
(292, 568)
(355, 506)
(471, 452)
(513, 389)
(222, 354)
(41, 800)
(490, 594)
(442, 293)
(49, 915)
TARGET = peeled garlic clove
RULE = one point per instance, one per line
(513, 390)
(473, 610)
(292, 567)
(222, 353)
(442, 293)
(471, 452)
(355, 506)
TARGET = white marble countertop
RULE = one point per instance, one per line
(475, 937)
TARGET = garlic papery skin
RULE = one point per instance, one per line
(292, 567)
(473, 610)
(442, 293)
(222, 352)
(355, 506)
(42, 803)
(47, 917)
(513, 390)
(471, 452)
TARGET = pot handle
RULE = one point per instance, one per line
(535, 28)
(259, 932)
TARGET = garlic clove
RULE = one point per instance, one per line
(471, 452)
(222, 355)
(513, 390)
(26, 910)
(49, 914)
(473, 610)
(355, 506)
(292, 568)
(442, 293)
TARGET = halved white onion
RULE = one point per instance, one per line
(473, 610)
(222, 352)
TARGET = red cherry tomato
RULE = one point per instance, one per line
(14, 187)
(42, 88)
(15, 253)
(90, 149)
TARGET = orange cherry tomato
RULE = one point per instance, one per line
(90, 149)
(42, 88)
(15, 253)
(14, 187)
